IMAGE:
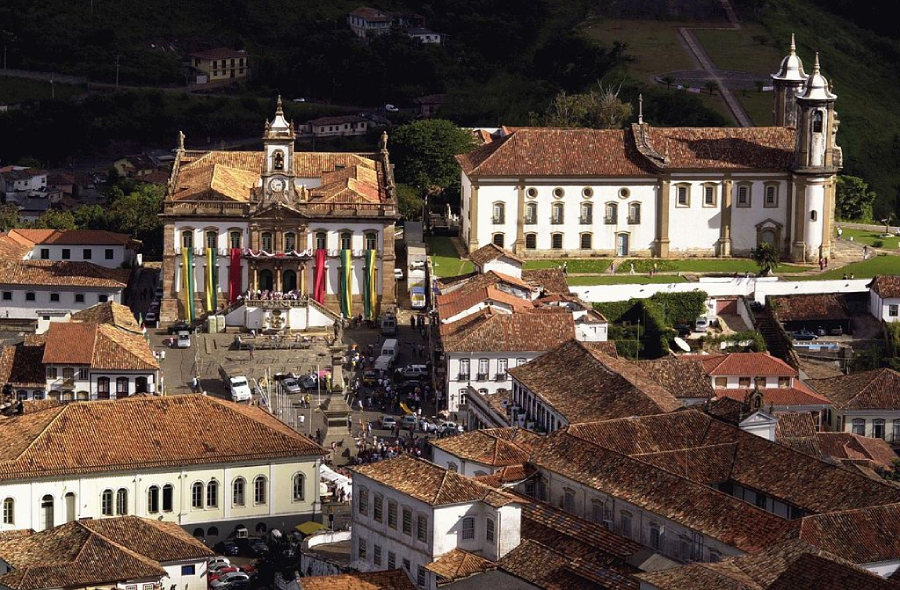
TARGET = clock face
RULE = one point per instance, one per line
(277, 184)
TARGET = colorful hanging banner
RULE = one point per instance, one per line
(211, 279)
(321, 274)
(187, 283)
(346, 282)
(234, 276)
(370, 299)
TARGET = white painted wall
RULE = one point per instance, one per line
(17, 306)
(174, 570)
(815, 203)
(98, 254)
(882, 308)
(463, 466)
(455, 386)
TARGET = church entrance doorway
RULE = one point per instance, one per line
(288, 281)
(622, 245)
(266, 282)
(767, 236)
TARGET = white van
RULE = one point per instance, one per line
(390, 348)
(383, 363)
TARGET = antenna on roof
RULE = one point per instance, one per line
(640, 109)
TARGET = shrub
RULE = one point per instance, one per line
(878, 244)
(681, 307)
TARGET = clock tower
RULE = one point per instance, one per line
(278, 169)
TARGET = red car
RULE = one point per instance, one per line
(215, 575)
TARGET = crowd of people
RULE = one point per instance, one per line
(266, 295)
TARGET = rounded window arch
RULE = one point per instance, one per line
(278, 160)
(290, 241)
(197, 494)
(9, 511)
(813, 215)
(371, 240)
(187, 237)
(299, 487)
(557, 214)
(530, 213)
(556, 241)
(587, 241)
(153, 500)
(212, 239)
(818, 120)
(260, 490)
(106, 503)
(238, 491)
(198, 533)
(321, 240)
(122, 502)
(497, 239)
(168, 498)
(212, 494)
(346, 240)
(235, 238)
(212, 531)
(266, 241)
(634, 212)
(530, 241)
(261, 527)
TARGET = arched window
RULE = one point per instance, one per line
(168, 499)
(587, 214)
(21, 394)
(709, 195)
(152, 500)
(530, 241)
(106, 503)
(212, 494)
(278, 160)
(498, 240)
(346, 240)
(260, 490)
(818, 119)
(212, 531)
(625, 524)
(371, 240)
(586, 241)
(452, 467)
(557, 214)
(198, 533)
(235, 239)
(499, 213)
(612, 214)
(212, 239)
(290, 241)
(9, 511)
(261, 527)
(187, 238)
(530, 213)
(122, 502)
(556, 241)
(298, 487)
(321, 240)
(48, 510)
(878, 428)
(103, 388)
(813, 215)
(634, 213)
(197, 495)
(266, 241)
(121, 387)
(237, 491)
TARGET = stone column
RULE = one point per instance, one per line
(663, 189)
(277, 272)
(301, 279)
(798, 252)
(828, 217)
(725, 226)
(255, 270)
(520, 218)
(788, 225)
(473, 219)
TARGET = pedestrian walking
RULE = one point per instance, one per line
(865, 252)
(349, 424)
(250, 348)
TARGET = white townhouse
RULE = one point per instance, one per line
(866, 403)
(408, 512)
(137, 554)
(278, 221)
(884, 298)
(210, 466)
(103, 248)
(663, 192)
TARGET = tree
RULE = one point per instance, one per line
(766, 257)
(91, 217)
(9, 217)
(668, 81)
(137, 214)
(409, 201)
(424, 155)
(600, 108)
(53, 219)
(854, 199)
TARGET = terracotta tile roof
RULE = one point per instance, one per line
(861, 536)
(497, 402)
(458, 564)
(553, 569)
(797, 430)
(431, 484)
(694, 505)
(607, 347)
(11, 248)
(490, 252)
(370, 14)
(780, 472)
(585, 385)
(746, 363)
(50, 273)
(142, 432)
(160, 541)
(726, 409)
(384, 580)
(822, 306)
(111, 313)
(101, 346)
(71, 556)
(73, 237)
(465, 284)
(558, 152)
(218, 53)
(878, 389)
(682, 378)
(784, 397)
(710, 464)
(846, 445)
(549, 280)
(735, 148)
(507, 476)
(487, 447)
(20, 366)
(515, 332)
(887, 286)
(792, 565)
(488, 295)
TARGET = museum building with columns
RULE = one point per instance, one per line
(278, 228)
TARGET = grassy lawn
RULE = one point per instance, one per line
(623, 279)
(588, 265)
(704, 265)
(758, 105)
(655, 45)
(446, 262)
(14, 90)
(715, 103)
(736, 50)
(867, 236)
(880, 265)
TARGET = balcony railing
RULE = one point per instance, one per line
(585, 220)
(462, 377)
(500, 377)
(608, 220)
(497, 220)
(634, 219)
(556, 220)
(530, 220)
(481, 377)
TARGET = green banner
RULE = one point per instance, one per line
(346, 283)
(212, 279)
(370, 299)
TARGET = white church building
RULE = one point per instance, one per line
(663, 191)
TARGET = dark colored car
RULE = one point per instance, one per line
(181, 327)
(228, 548)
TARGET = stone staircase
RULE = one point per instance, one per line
(777, 341)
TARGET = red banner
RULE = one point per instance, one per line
(321, 276)
(234, 275)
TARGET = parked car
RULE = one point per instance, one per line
(301, 99)
(181, 327)
(257, 547)
(370, 377)
(309, 381)
(183, 340)
(409, 420)
(398, 274)
(701, 324)
(387, 422)
(291, 385)
(218, 560)
(226, 548)
(426, 425)
(239, 389)
(839, 331)
(151, 316)
(228, 579)
(391, 108)
(804, 334)
(219, 572)
(414, 371)
(683, 329)
(447, 427)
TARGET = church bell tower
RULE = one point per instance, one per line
(278, 169)
(788, 82)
